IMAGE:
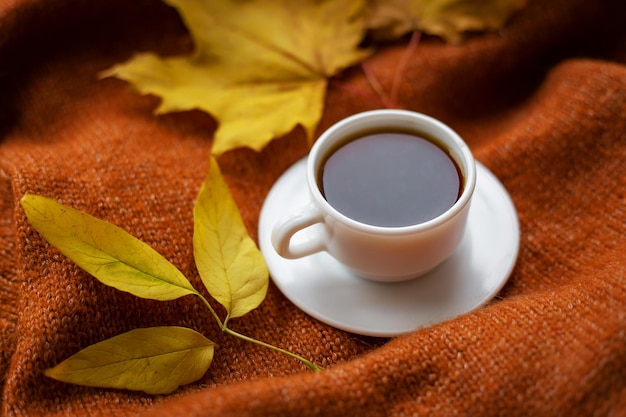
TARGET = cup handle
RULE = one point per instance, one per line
(284, 230)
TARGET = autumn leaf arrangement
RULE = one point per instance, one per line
(158, 360)
(260, 68)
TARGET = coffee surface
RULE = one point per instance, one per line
(391, 179)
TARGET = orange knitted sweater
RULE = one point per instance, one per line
(542, 104)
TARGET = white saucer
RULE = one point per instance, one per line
(326, 290)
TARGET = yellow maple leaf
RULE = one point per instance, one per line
(260, 67)
(445, 18)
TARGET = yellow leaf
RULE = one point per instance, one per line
(445, 18)
(231, 266)
(104, 250)
(155, 360)
(260, 67)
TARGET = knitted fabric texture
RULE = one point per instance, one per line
(542, 104)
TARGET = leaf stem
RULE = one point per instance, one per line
(226, 330)
(308, 363)
(372, 80)
(404, 61)
(213, 313)
(359, 93)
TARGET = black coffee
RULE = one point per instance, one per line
(390, 179)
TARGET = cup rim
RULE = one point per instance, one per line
(463, 152)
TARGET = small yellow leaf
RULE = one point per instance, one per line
(445, 18)
(231, 266)
(156, 360)
(260, 67)
(104, 250)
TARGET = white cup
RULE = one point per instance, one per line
(379, 253)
